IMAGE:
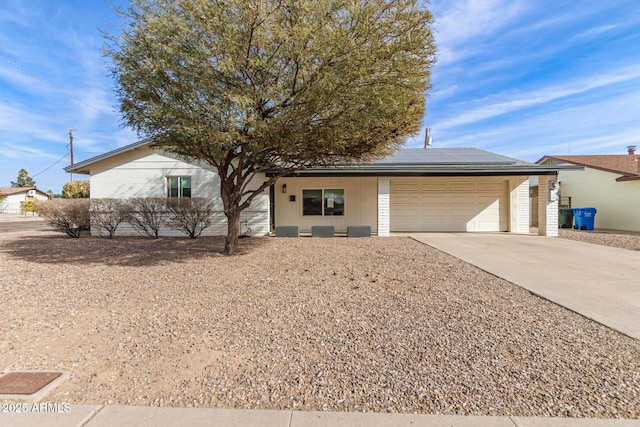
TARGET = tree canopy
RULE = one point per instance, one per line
(23, 180)
(76, 190)
(250, 85)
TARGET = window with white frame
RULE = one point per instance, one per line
(323, 202)
(179, 186)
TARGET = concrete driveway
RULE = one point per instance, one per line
(599, 282)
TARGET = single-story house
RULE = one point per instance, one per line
(415, 189)
(16, 196)
(609, 183)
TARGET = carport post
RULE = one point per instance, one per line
(547, 208)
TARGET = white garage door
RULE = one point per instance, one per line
(448, 205)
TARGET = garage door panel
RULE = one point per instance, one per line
(494, 187)
(461, 200)
(429, 200)
(462, 186)
(433, 187)
(407, 200)
(449, 206)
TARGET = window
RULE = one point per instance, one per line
(179, 186)
(328, 202)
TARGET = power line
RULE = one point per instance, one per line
(53, 164)
(62, 91)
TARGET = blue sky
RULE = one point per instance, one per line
(523, 78)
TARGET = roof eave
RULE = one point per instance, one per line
(83, 166)
(628, 178)
(425, 171)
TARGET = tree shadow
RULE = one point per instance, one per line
(121, 251)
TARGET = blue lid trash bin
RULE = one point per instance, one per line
(584, 218)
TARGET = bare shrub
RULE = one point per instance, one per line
(108, 214)
(146, 215)
(190, 215)
(70, 216)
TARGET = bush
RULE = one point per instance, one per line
(76, 190)
(146, 215)
(108, 214)
(30, 205)
(190, 215)
(67, 215)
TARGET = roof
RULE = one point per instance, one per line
(82, 167)
(437, 162)
(626, 165)
(404, 162)
(8, 191)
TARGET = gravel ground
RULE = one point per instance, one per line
(618, 240)
(379, 324)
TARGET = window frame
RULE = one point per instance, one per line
(180, 195)
(323, 202)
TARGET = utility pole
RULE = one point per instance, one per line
(71, 148)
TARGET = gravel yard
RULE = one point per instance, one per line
(379, 324)
(617, 240)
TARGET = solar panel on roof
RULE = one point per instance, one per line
(446, 156)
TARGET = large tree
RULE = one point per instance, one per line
(251, 85)
(23, 180)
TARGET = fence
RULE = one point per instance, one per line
(15, 213)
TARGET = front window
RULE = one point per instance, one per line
(179, 186)
(327, 202)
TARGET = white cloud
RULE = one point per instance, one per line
(503, 103)
(26, 153)
(460, 22)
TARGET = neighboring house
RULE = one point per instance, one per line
(609, 183)
(16, 196)
(433, 189)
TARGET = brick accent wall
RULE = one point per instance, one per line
(383, 206)
(547, 210)
(521, 193)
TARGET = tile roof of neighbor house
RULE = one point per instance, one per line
(407, 161)
(8, 191)
(627, 165)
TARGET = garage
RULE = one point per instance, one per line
(432, 204)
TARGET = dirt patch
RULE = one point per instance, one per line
(378, 324)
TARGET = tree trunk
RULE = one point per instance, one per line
(233, 231)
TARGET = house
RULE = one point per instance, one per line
(609, 183)
(416, 189)
(16, 196)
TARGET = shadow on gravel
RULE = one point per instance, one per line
(124, 251)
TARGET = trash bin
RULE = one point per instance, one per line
(565, 218)
(584, 218)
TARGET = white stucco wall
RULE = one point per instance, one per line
(143, 173)
(360, 195)
(12, 202)
(617, 203)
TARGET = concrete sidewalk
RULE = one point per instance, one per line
(600, 282)
(142, 416)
